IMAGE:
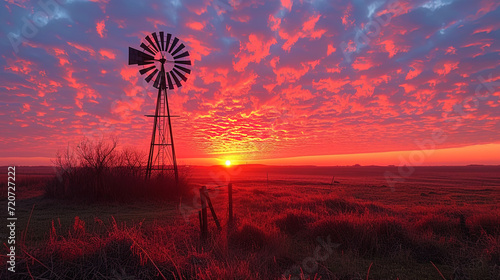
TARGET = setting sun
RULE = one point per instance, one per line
(228, 163)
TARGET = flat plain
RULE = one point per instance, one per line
(291, 222)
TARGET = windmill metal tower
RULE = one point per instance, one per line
(165, 62)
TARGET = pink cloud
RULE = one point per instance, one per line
(363, 63)
(82, 48)
(19, 66)
(331, 49)
(26, 108)
(445, 67)
(365, 86)
(197, 48)
(307, 31)
(416, 69)
(296, 94)
(330, 84)
(287, 4)
(129, 74)
(408, 87)
(196, 25)
(101, 28)
(346, 20)
(107, 53)
(273, 22)
(392, 49)
(256, 49)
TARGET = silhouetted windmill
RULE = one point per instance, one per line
(164, 61)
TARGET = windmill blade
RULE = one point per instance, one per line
(179, 48)
(162, 41)
(173, 44)
(170, 85)
(177, 82)
(180, 74)
(167, 43)
(188, 71)
(157, 42)
(146, 48)
(145, 63)
(157, 80)
(138, 57)
(145, 70)
(148, 78)
(151, 43)
(184, 54)
(186, 62)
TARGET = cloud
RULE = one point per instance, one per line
(101, 28)
(307, 31)
(254, 50)
(287, 4)
(266, 77)
(109, 54)
(196, 25)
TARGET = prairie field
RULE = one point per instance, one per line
(290, 223)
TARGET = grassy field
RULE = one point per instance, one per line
(291, 223)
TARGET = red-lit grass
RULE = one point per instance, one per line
(276, 229)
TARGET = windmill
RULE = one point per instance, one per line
(164, 61)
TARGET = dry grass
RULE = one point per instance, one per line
(277, 230)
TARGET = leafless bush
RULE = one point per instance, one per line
(97, 169)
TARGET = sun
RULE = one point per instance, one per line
(228, 163)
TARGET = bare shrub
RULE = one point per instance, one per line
(97, 169)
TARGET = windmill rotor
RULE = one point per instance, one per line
(166, 64)
(164, 60)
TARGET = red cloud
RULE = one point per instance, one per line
(107, 53)
(296, 94)
(82, 48)
(307, 31)
(365, 86)
(196, 25)
(198, 48)
(408, 87)
(124, 107)
(330, 85)
(416, 69)
(82, 90)
(331, 49)
(274, 22)
(392, 49)
(291, 74)
(101, 28)
(287, 4)
(209, 75)
(445, 67)
(19, 66)
(363, 63)
(129, 74)
(254, 50)
(346, 21)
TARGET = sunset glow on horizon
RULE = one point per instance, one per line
(272, 82)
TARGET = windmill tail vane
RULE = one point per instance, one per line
(165, 62)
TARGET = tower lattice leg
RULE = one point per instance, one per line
(162, 160)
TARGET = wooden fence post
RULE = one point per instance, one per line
(204, 223)
(230, 197)
(212, 210)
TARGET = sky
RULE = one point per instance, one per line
(280, 82)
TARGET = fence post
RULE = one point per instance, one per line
(212, 210)
(230, 197)
(204, 223)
